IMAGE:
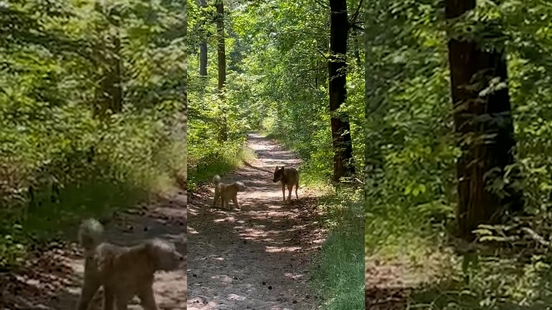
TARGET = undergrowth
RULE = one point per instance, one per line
(206, 161)
(87, 168)
(412, 187)
(339, 268)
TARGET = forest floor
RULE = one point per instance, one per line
(403, 284)
(259, 256)
(52, 278)
(386, 286)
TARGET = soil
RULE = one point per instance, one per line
(397, 285)
(52, 278)
(259, 256)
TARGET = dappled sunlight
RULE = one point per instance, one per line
(191, 230)
(293, 276)
(271, 249)
(228, 219)
(254, 252)
(236, 297)
(223, 278)
(282, 162)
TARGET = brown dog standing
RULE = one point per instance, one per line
(124, 272)
(289, 177)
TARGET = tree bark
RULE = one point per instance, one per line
(484, 123)
(203, 49)
(221, 55)
(337, 66)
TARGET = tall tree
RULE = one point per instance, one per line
(337, 67)
(203, 48)
(221, 56)
(484, 123)
(221, 49)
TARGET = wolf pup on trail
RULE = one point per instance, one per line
(124, 272)
(288, 177)
(226, 192)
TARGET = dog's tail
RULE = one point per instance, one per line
(216, 180)
(90, 234)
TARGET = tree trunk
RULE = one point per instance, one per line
(221, 55)
(337, 66)
(484, 124)
(203, 49)
(221, 52)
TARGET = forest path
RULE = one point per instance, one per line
(257, 257)
(53, 279)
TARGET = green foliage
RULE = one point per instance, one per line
(411, 183)
(287, 68)
(60, 161)
(277, 82)
(214, 113)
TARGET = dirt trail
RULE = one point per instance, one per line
(52, 280)
(257, 257)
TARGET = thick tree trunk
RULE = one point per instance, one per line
(221, 55)
(203, 49)
(203, 59)
(484, 122)
(337, 66)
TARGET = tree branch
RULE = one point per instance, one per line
(355, 15)
(323, 4)
(535, 236)
(357, 27)
(323, 55)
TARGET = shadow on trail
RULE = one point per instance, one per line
(258, 257)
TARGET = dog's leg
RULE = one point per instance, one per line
(217, 196)
(89, 288)
(283, 191)
(147, 299)
(235, 200)
(289, 192)
(108, 299)
(296, 187)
